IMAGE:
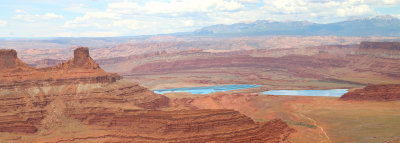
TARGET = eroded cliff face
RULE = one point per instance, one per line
(182, 126)
(80, 69)
(81, 60)
(25, 93)
(77, 101)
(10, 61)
(380, 49)
(380, 92)
(380, 45)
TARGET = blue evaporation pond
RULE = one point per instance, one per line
(206, 89)
(330, 93)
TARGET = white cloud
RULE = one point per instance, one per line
(86, 34)
(3, 23)
(377, 3)
(79, 8)
(99, 15)
(286, 6)
(132, 15)
(97, 19)
(306, 9)
(174, 7)
(27, 17)
(123, 5)
(98, 34)
(228, 5)
(358, 10)
(249, 1)
(131, 24)
(48, 16)
(391, 2)
(152, 17)
(20, 11)
(188, 22)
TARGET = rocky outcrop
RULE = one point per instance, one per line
(184, 125)
(81, 68)
(380, 49)
(44, 104)
(10, 61)
(380, 92)
(8, 58)
(380, 45)
(81, 60)
(24, 93)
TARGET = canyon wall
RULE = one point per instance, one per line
(380, 49)
(38, 103)
(380, 92)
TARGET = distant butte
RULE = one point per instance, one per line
(81, 59)
(82, 67)
(9, 60)
(380, 45)
(379, 92)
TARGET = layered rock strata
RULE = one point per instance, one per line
(380, 49)
(380, 92)
(25, 91)
(380, 45)
(38, 103)
(182, 126)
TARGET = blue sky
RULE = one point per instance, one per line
(97, 18)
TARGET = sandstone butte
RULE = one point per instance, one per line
(380, 49)
(379, 92)
(35, 103)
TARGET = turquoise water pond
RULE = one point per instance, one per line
(330, 93)
(206, 89)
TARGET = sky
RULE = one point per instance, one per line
(101, 18)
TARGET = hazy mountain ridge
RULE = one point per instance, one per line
(376, 26)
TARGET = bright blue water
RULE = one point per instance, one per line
(331, 93)
(206, 89)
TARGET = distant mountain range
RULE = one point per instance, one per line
(385, 25)
(377, 26)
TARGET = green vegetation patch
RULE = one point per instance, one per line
(301, 124)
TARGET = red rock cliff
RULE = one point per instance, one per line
(9, 60)
(81, 60)
(381, 92)
(24, 94)
(380, 45)
(380, 49)
(45, 104)
(81, 68)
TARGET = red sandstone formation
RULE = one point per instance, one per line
(37, 103)
(380, 45)
(9, 60)
(380, 49)
(296, 64)
(81, 60)
(25, 91)
(334, 64)
(380, 92)
(81, 68)
(182, 126)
